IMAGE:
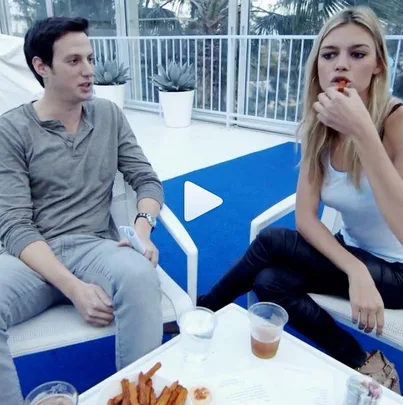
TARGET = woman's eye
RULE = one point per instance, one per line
(358, 55)
(328, 55)
(74, 61)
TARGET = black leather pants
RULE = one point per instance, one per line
(280, 266)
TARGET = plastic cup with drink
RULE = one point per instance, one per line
(267, 321)
(53, 393)
(197, 328)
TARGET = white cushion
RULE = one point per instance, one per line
(17, 83)
(340, 309)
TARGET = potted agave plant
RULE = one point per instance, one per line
(109, 81)
(176, 87)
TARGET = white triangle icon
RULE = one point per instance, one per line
(198, 201)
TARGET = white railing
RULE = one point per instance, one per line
(252, 80)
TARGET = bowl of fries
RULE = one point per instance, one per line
(144, 389)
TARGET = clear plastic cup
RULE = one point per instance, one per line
(197, 328)
(53, 393)
(267, 321)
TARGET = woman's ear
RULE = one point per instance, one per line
(377, 70)
(379, 67)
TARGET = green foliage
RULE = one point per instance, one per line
(176, 78)
(110, 73)
(306, 17)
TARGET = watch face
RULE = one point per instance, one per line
(151, 220)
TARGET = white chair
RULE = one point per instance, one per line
(63, 326)
(338, 307)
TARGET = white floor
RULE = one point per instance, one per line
(173, 152)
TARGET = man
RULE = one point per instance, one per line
(58, 159)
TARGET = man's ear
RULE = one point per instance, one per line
(40, 67)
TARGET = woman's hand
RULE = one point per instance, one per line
(344, 112)
(366, 302)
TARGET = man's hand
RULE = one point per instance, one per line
(151, 252)
(93, 304)
(366, 302)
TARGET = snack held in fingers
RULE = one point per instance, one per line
(342, 85)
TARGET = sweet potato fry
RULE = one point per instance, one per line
(117, 400)
(126, 391)
(133, 394)
(141, 390)
(174, 395)
(148, 391)
(181, 399)
(173, 386)
(153, 398)
(152, 371)
(342, 85)
(164, 396)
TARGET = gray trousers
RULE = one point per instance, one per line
(125, 275)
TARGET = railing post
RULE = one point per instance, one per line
(231, 46)
(395, 63)
(159, 62)
(243, 60)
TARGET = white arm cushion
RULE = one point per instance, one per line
(182, 237)
(271, 215)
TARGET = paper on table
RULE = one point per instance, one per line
(303, 386)
(280, 384)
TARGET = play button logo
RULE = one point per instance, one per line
(198, 201)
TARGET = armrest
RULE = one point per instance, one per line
(182, 237)
(274, 213)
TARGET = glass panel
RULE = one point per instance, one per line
(275, 68)
(183, 17)
(23, 13)
(179, 18)
(297, 17)
(99, 13)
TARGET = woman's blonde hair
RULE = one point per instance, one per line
(317, 139)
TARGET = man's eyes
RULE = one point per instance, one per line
(74, 61)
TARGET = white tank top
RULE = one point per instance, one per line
(363, 224)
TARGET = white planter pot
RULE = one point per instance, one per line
(177, 108)
(115, 93)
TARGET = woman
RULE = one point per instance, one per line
(352, 161)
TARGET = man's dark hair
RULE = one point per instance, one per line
(40, 39)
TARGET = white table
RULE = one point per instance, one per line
(231, 353)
